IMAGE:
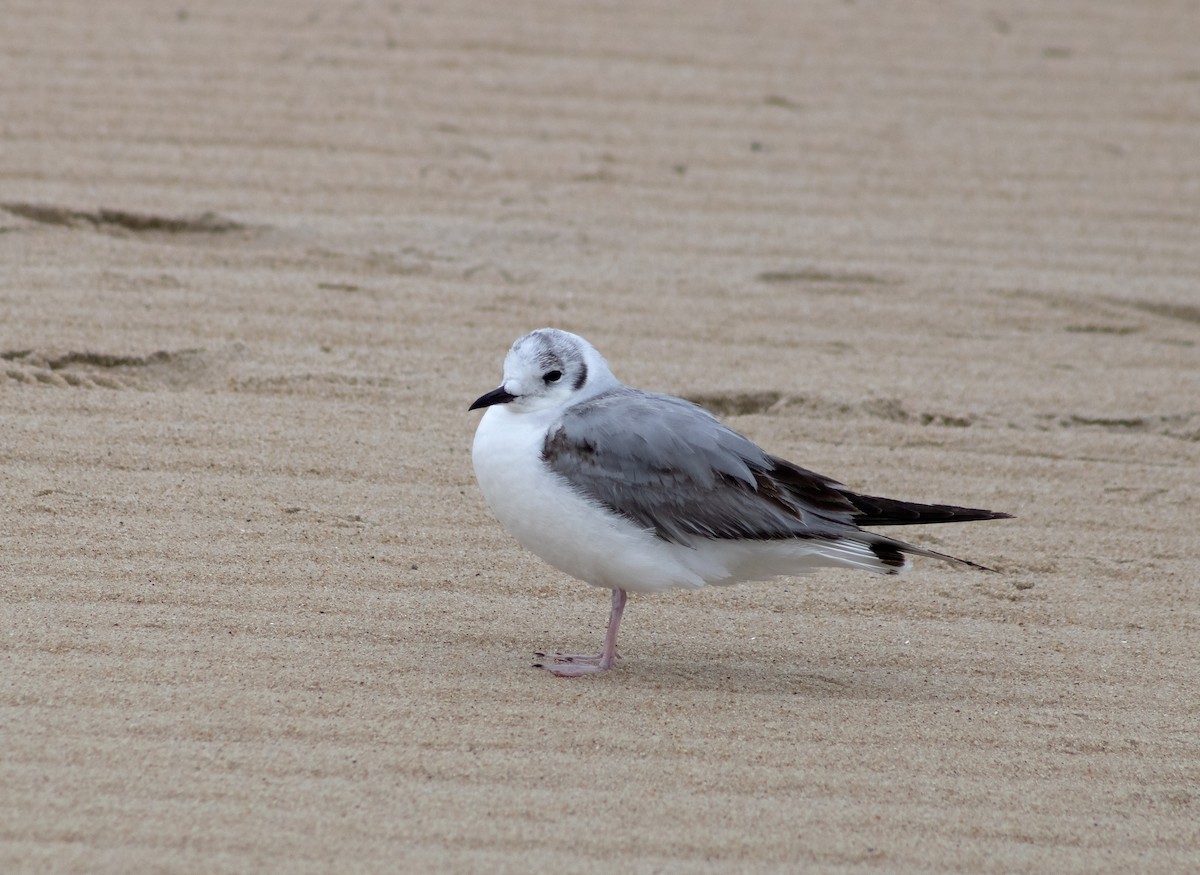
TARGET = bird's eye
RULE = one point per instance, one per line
(552, 376)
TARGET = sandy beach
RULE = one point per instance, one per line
(259, 258)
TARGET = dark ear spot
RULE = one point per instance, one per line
(581, 378)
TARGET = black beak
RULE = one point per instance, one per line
(496, 396)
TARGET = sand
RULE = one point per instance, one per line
(259, 258)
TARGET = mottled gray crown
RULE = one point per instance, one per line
(555, 350)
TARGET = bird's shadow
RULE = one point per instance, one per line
(824, 681)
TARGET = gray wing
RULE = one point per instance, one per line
(671, 467)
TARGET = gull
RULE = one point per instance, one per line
(636, 491)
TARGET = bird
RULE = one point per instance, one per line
(642, 492)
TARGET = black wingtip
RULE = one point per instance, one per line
(985, 515)
(875, 511)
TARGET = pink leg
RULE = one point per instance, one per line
(571, 665)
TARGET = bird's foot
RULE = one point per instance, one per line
(573, 665)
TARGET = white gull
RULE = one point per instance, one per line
(640, 492)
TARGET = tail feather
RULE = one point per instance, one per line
(893, 555)
(945, 557)
(889, 556)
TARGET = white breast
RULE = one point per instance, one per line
(550, 519)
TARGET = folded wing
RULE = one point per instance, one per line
(671, 467)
